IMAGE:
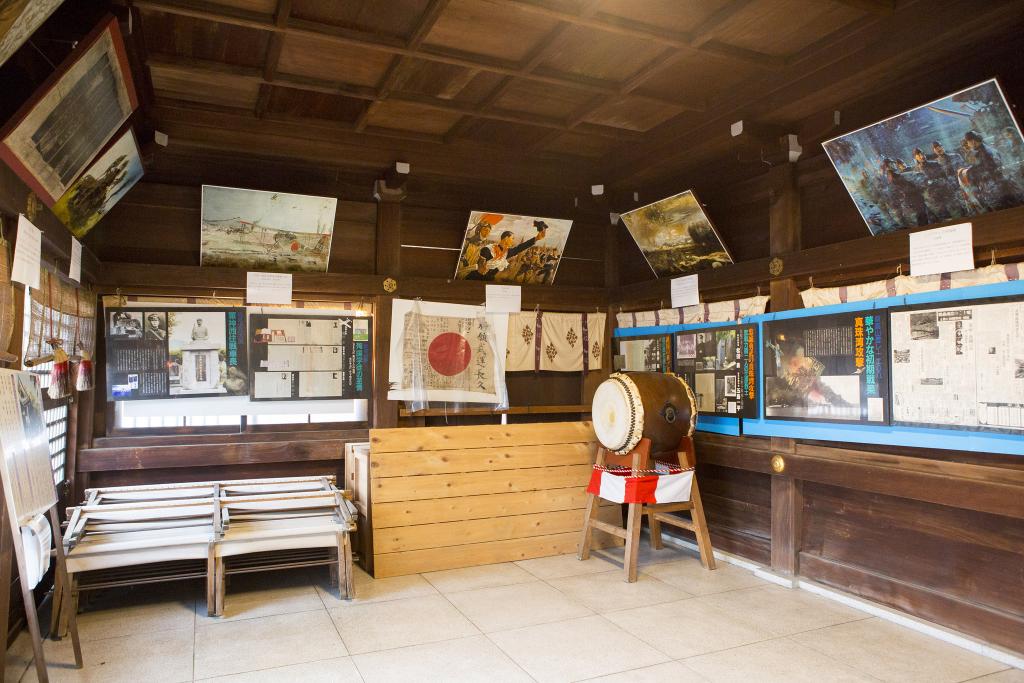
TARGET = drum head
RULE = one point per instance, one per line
(615, 417)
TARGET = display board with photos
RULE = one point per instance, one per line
(302, 357)
(959, 365)
(827, 368)
(644, 354)
(720, 365)
(175, 352)
(25, 466)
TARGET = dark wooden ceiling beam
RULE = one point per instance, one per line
(274, 46)
(633, 29)
(206, 11)
(865, 47)
(206, 70)
(336, 145)
(880, 7)
(426, 22)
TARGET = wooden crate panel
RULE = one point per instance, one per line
(433, 486)
(412, 463)
(419, 537)
(480, 436)
(407, 513)
(436, 559)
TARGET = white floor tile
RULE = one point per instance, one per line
(465, 660)
(610, 591)
(576, 649)
(891, 652)
(265, 642)
(369, 589)
(399, 623)
(774, 661)
(523, 604)
(164, 657)
(487, 576)
(337, 670)
(558, 566)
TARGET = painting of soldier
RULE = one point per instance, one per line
(521, 250)
(676, 236)
(955, 157)
(101, 186)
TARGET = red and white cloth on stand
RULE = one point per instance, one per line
(667, 484)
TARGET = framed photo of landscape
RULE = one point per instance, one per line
(55, 136)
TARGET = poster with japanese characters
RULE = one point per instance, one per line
(300, 357)
(959, 365)
(720, 365)
(447, 352)
(175, 352)
(644, 354)
(827, 368)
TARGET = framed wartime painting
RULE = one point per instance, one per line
(259, 230)
(101, 186)
(676, 236)
(522, 250)
(19, 19)
(955, 157)
(56, 135)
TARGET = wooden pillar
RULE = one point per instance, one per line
(389, 193)
(784, 238)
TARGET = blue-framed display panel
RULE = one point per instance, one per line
(714, 424)
(891, 435)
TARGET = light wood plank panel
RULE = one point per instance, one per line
(436, 559)
(422, 536)
(406, 513)
(413, 463)
(451, 438)
(433, 486)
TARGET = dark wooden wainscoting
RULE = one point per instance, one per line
(937, 535)
(125, 460)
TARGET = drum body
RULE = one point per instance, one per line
(629, 406)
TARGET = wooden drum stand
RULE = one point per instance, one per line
(640, 459)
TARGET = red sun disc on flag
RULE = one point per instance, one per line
(295, 246)
(449, 353)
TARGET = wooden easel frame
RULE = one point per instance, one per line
(60, 588)
(639, 458)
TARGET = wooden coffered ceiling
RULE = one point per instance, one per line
(559, 93)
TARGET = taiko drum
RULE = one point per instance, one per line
(629, 406)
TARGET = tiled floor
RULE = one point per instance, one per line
(549, 619)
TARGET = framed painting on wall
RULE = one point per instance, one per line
(54, 137)
(19, 19)
(955, 157)
(101, 186)
(676, 236)
(259, 230)
(522, 250)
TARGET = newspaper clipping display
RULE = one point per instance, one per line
(175, 352)
(720, 365)
(959, 365)
(827, 368)
(309, 357)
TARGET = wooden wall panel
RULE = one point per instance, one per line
(448, 497)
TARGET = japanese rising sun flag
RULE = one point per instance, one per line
(447, 352)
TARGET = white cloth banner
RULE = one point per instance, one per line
(715, 312)
(902, 285)
(558, 342)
